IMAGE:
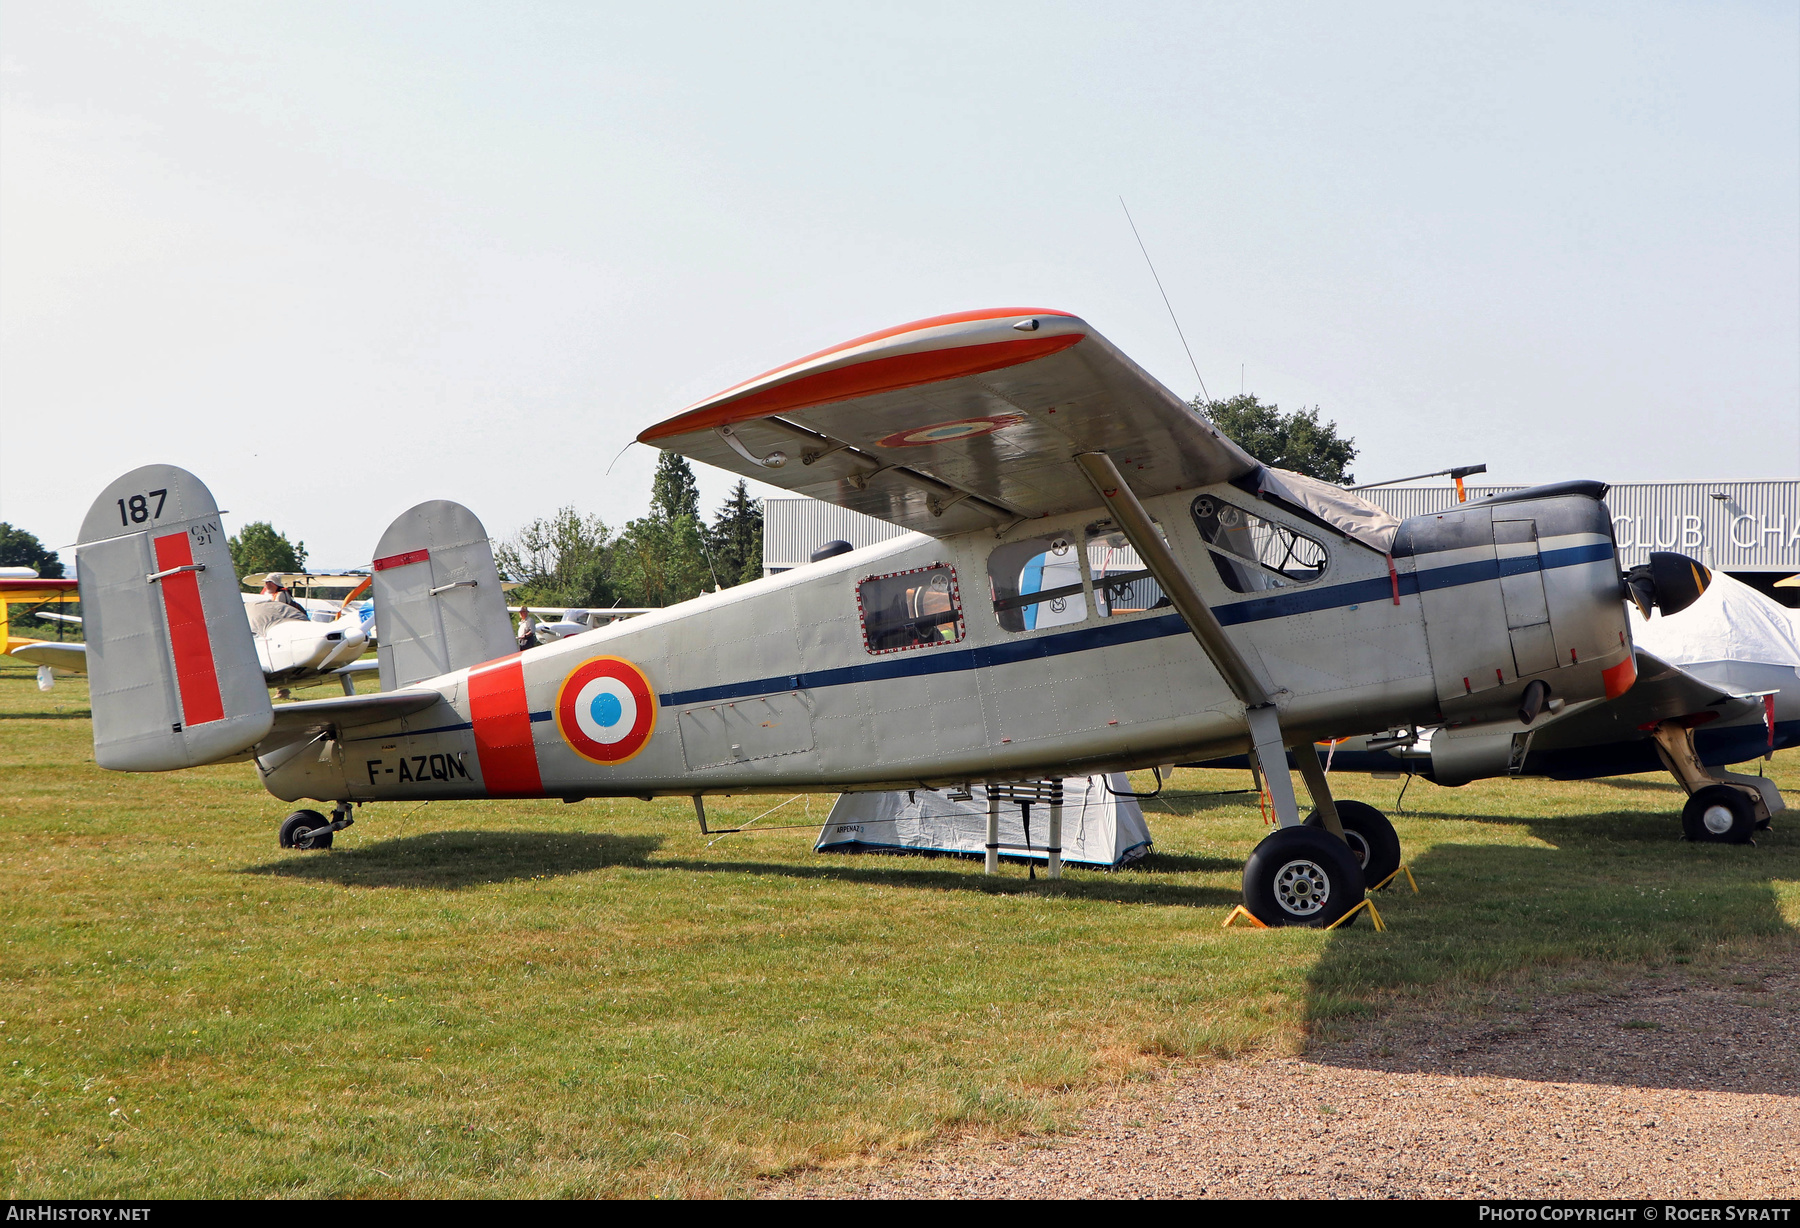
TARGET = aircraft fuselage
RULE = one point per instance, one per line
(787, 683)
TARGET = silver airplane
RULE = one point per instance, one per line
(1205, 605)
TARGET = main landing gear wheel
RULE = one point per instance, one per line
(1370, 836)
(1302, 876)
(1719, 814)
(307, 821)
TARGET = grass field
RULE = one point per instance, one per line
(531, 998)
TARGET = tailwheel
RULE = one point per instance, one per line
(1719, 814)
(305, 829)
(1370, 836)
(1302, 876)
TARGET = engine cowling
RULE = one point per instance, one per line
(1519, 588)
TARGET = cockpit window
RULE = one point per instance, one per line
(910, 609)
(1037, 583)
(1122, 584)
(1254, 555)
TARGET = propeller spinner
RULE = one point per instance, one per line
(1669, 582)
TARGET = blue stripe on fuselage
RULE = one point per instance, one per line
(1108, 634)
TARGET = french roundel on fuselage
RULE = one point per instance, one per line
(605, 710)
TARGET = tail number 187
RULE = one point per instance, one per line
(136, 510)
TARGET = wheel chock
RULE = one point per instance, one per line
(1241, 911)
(1374, 916)
(1404, 869)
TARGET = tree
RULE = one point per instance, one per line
(673, 492)
(736, 537)
(563, 561)
(659, 561)
(258, 548)
(21, 549)
(1297, 441)
(663, 557)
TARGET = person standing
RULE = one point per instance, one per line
(274, 590)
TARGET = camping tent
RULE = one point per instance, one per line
(1099, 828)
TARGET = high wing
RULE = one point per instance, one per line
(1663, 692)
(957, 422)
(25, 590)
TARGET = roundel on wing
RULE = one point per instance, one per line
(944, 432)
(605, 710)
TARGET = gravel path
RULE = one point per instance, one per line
(1672, 1086)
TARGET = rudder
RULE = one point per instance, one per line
(172, 666)
(438, 602)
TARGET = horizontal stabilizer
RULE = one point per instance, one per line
(350, 711)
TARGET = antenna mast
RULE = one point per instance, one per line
(1165, 298)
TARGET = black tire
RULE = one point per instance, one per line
(1370, 836)
(1719, 814)
(305, 820)
(1302, 876)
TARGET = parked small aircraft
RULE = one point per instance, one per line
(557, 622)
(1264, 611)
(291, 651)
(23, 586)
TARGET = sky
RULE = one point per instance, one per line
(338, 259)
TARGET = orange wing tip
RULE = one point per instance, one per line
(790, 387)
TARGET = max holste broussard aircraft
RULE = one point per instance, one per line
(318, 641)
(1267, 611)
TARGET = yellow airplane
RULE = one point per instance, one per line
(22, 586)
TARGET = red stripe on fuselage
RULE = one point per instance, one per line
(502, 719)
(196, 677)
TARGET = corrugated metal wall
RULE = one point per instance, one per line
(1734, 526)
(794, 528)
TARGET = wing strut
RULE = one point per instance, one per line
(1259, 709)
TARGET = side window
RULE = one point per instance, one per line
(1254, 555)
(910, 609)
(1122, 584)
(1037, 583)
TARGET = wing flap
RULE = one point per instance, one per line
(957, 422)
